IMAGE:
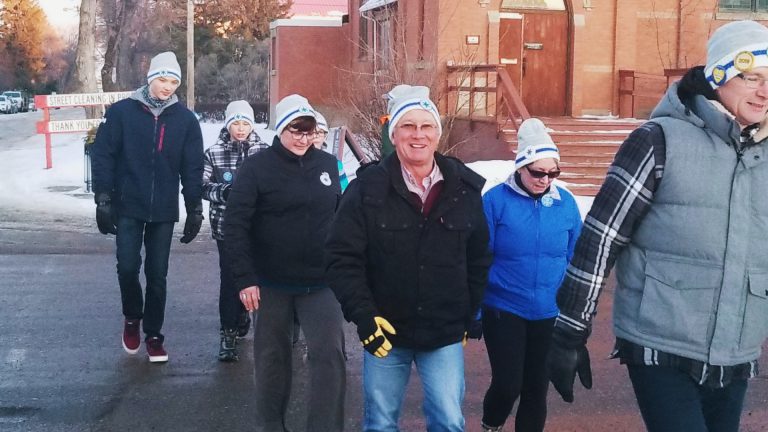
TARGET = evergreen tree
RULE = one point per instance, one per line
(22, 29)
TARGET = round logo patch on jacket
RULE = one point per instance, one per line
(227, 177)
(325, 178)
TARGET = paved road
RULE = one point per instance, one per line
(62, 367)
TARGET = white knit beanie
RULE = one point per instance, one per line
(164, 65)
(736, 47)
(322, 124)
(404, 98)
(239, 110)
(289, 108)
(534, 143)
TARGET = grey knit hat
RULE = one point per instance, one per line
(322, 124)
(734, 48)
(534, 143)
(289, 108)
(239, 110)
(404, 98)
(164, 65)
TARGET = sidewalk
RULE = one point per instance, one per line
(58, 285)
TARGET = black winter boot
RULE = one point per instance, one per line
(228, 346)
(243, 324)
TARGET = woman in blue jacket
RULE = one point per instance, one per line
(533, 228)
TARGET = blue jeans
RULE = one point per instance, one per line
(442, 374)
(156, 239)
(671, 401)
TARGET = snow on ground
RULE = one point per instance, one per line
(34, 195)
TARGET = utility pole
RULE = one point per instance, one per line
(191, 54)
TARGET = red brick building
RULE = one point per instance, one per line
(563, 57)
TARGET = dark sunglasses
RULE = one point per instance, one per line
(541, 174)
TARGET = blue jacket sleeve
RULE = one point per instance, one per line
(106, 150)
(213, 190)
(192, 165)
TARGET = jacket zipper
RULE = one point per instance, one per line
(152, 189)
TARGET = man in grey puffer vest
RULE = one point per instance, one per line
(682, 217)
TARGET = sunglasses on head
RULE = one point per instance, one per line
(541, 174)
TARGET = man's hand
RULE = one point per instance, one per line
(105, 218)
(568, 356)
(250, 298)
(193, 223)
(372, 336)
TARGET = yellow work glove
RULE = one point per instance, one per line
(372, 336)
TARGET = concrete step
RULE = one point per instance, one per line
(583, 189)
(596, 168)
(577, 136)
(587, 148)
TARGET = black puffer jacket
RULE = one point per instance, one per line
(278, 214)
(425, 275)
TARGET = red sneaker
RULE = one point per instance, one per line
(131, 336)
(156, 351)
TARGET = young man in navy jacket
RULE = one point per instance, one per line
(145, 145)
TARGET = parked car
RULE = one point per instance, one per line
(6, 105)
(32, 106)
(20, 98)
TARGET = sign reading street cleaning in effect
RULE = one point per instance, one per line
(82, 99)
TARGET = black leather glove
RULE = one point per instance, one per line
(193, 223)
(371, 333)
(568, 356)
(225, 192)
(475, 329)
(105, 217)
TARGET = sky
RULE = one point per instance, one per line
(59, 193)
(62, 14)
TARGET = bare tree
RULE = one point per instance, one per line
(391, 60)
(114, 13)
(84, 74)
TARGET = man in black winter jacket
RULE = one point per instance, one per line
(407, 257)
(145, 145)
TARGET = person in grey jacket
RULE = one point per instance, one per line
(237, 140)
(146, 144)
(681, 216)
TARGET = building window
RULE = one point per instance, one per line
(273, 56)
(384, 38)
(744, 5)
(363, 43)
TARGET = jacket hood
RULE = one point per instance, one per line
(139, 96)
(700, 111)
(225, 139)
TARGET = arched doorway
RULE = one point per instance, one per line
(533, 46)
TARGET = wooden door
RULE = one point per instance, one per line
(534, 48)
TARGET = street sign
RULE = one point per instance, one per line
(82, 99)
(48, 127)
(67, 126)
